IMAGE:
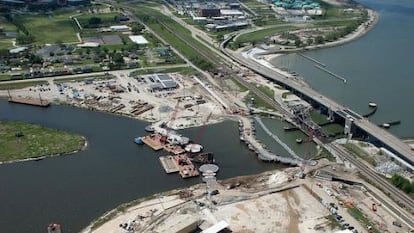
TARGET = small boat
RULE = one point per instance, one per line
(138, 140)
(299, 140)
(386, 125)
(372, 105)
(149, 128)
(54, 228)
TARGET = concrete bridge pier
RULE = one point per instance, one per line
(348, 125)
(331, 116)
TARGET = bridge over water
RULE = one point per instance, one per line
(353, 121)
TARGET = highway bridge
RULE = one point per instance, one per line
(376, 134)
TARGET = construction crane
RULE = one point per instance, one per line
(202, 129)
(307, 155)
(174, 113)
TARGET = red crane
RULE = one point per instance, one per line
(202, 129)
(174, 113)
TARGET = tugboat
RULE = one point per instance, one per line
(203, 158)
(372, 105)
(138, 140)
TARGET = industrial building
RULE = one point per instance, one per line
(210, 12)
(162, 82)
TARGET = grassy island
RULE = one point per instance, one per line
(19, 140)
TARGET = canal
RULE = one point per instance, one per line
(75, 189)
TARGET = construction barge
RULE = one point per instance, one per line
(29, 101)
(182, 156)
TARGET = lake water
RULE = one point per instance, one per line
(75, 189)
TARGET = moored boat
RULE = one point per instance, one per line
(193, 148)
(372, 105)
(138, 140)
(149, 128)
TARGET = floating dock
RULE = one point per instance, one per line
(168, 164)
(29, 101)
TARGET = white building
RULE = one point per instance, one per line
(138, 39)
(119, 28)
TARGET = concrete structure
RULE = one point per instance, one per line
(119, 28)
(89, 45)
(138, 39)
(230, 13)
(217, 227)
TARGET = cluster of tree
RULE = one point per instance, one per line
(93, 22)
(403, 183)
(136, 28)
(24, 36)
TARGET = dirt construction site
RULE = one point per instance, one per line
(274, 201)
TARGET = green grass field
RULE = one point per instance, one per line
(261, 34)
(35, 141)
(5, 42)
(50, 29)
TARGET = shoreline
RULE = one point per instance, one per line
(168, 200)
(362, 29)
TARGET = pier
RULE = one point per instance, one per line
(277, 139)
(331, 73)
(312, 59)
(246, 128)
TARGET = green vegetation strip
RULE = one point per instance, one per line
(324, 153)
(358, 215)
(266, 90)
(20, 85)
(182, 70)
(360, 153)
(404, 184)
(78, 79)
(19, 140)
